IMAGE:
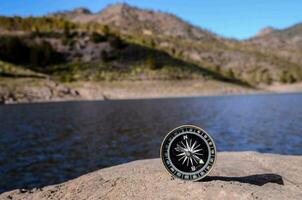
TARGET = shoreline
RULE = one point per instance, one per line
(236, 175)
(155, 98)
(50, 91)
(260, 92)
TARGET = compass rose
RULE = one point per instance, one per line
(188, 152)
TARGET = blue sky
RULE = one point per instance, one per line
(231, 18)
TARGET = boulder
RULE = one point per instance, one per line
(237, 175)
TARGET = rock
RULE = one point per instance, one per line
(63, 89)
(74, 92)
(237, 175)
(52, 84)
(2, 100)
(265, 31)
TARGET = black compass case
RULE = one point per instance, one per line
(188, 153)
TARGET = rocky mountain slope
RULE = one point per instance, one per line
(251, 61)
(289, 38)
(123, 42)
(133, 20)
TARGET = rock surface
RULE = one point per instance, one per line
(237, 175)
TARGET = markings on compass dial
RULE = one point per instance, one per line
(188, 153)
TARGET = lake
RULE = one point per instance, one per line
(48, 143)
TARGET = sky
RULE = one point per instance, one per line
(238, 19)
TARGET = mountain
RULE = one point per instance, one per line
(286, 44)
(127, 39)
(265, 31)
(289, 38)
(130, 19)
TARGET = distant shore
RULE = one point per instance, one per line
(236, 175)
(26, 90)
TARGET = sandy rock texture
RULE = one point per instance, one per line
(237, 175)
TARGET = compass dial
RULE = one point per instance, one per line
(188, 152)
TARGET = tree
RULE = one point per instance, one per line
(104, 56)
(266, 78)
(116, 42)
(12, 49)
(287, 77)
(66, 30)
(151, 62)
(217, 69)
(230, 74)
(106, 30)
(291, 78)
(152, 43)
(283, 77)
(97, 38)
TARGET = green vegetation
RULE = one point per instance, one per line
(16, 71)
(36, 24)
(287, 77)
(13, 49)
(114, 56)
(151, 63)
(97, 38)
(230, 74)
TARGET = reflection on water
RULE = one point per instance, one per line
(42, 144)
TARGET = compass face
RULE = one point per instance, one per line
(188, 152)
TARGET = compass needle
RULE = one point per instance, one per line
(184, 160)
(197, 150)
(191, 160)
(193, 145)
(183, 144)
(187, 145)
(181, 158)
(197, 146)
(181, 154)
(195, 159)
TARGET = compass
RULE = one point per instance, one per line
(188, 153)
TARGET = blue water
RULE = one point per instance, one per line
(47, 143)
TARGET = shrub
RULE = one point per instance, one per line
(266, 78)
(287, 77)
(290, 78)
(116, 42)
(152, 43)
(217, 69)
(151, 63)
(14, 50)
(230, 74)
(30, 23)
(106, 30)
(97, 38)
(104, 56)
(283, 77)
(43, 54)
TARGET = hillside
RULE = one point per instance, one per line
(285, 43)
(125, 43)
(247, 61)
(133, 20)
(289, 38)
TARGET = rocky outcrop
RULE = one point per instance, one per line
(265, 31)
(237, 175)
(46, 90)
